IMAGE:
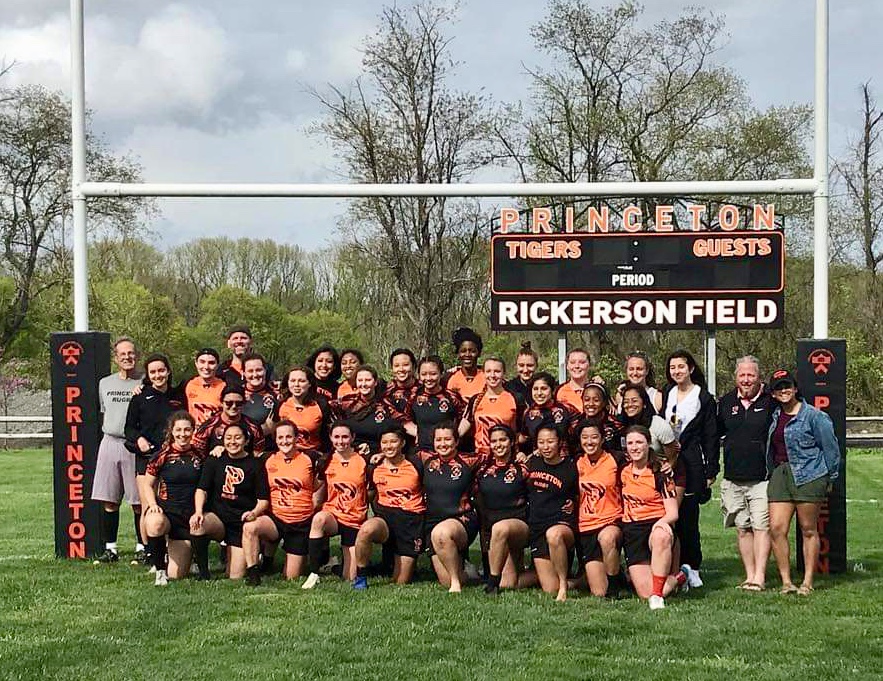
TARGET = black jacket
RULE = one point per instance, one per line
(744, 434)
(148, 417)
(700, 444)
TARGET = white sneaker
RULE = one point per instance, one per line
(656, 603)
(162, 578)
(152, 570)
(693, 578)
(471, 572)
(332, 563)
(312, 580)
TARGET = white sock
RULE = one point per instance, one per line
(111, 546)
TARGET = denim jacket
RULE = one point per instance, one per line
(813, 450)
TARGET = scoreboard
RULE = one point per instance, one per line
(646, 280)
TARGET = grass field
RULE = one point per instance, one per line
(63, 620)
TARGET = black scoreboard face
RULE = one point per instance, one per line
(656, 280)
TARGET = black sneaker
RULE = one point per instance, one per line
(203, 576)
(253, 576)
(491, 590)
(140, 558)
(107, 557)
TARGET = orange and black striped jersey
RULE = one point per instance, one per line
(448, 483)
(311, 420)
(211, 434)
(366, 419)
(487, 410)
(536, 416)
(600, 499)
(203, 398)
(570, 397)
(643, 492)
(177, 472)
(465, 387)
(292, 482)
(398, 486)
(398, 395)
(346, 481)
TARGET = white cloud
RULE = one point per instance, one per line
(295, 60)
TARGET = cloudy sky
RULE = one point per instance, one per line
(205, 91)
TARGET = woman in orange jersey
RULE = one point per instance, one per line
(465, 380)
(493, 406)
(396, 485)
(501, 497)
(600, 511)
(451, 522)
(570, 393)
(350, 361)
(293, 485)
(345, 507)
(324, 362)
(552, 488)
(650, 510)
(170, 485)
(308, 411)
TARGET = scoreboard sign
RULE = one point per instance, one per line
(647, 280)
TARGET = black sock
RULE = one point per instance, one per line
(361, 571)
(493, 581)
(200, 553)
(389, 557)
(325, 553)
(486, 563)
(316, 547)
(110, 526)
(157, 548)
(138, 528)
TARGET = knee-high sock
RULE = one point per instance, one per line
(110, 526)
(157, 546)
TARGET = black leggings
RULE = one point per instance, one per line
(687, 530)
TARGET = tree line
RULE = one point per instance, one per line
(615, 99)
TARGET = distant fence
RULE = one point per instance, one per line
(861, 431)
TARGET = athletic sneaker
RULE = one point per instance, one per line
(162, 579)
(328, 568)
(203, 576)
(656, 602)
(693, 578)
(311, 582)
(685, 587)
(492, 590)
(360, 583)
(107, 557)
(140, 558)
(253, 576)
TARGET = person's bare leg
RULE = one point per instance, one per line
(448, 539)
(745, 542)
(780, 524)
(560, 539)
(808, 520)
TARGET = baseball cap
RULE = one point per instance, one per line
(782, 378)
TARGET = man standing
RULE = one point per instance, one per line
(743, 422)
(115, 467)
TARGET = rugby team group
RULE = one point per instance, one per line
(606, 478)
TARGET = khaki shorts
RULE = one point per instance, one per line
(783, 488)
(115, 472)
(744, 505)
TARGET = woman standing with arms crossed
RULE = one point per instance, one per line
(692, 413)
(493, 406)
(803, 456)
(170, 486)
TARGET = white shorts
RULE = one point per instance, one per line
(115, 472)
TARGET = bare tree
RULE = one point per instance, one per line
(400, 122)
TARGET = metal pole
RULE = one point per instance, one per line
(502, 189)
(711, 360)
(820, 198)
(562, 356)
(78, 167)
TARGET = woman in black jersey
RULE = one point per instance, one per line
(431, 404)
(553, 489)
(170, 485)
(501, 497)
(365, 412)
(597, 410)
(402, 366)
(234, 486)
(451, 522)
(324, 362)
(544, 409)
(525, 366)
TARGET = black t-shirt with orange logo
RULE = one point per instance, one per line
(259, 406)
(233, 486)
(398, 486)
(346, 481)
(600, 498)
(292, 482)
(502, 487)
(552, 490)
(448, 484)
(426, 410)
(643, 492)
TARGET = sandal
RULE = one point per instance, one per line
(804, 590)
(788, 589)
(752, 586)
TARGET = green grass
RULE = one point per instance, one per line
(70, 620)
